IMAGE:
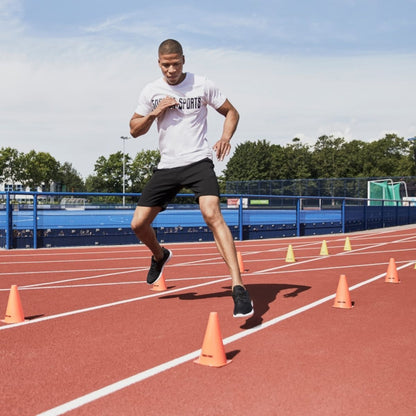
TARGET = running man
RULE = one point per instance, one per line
(178, 102)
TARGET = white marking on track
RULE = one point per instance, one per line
(108, 305)
(143, 375)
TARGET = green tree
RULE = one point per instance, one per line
(108, 173)
(69, 179)
(327, 157)
(39, 169)
(93, 183)
(252, 161)
(11, 162)
(263, 161)
(352, 156)
(410, 163)
(296, 161)
(141, 169)
(388, 156)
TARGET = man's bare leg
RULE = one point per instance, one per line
(210, 209)
(141, 224)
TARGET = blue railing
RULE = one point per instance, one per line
(251, 216)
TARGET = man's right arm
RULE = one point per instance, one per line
(140, 125)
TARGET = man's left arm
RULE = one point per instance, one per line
(222, 147)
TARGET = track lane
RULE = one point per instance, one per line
(177, 305)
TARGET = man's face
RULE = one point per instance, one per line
(172, 66)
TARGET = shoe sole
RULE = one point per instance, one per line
(161, 271)
(245, 315)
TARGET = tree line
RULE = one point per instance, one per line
(41, 170)
(328, 157)
(37, 169)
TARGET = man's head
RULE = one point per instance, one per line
(171, 61)
(169, 47)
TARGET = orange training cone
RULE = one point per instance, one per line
(240, 262)
(290, 256)
(347, 246)
(212, 353)
(342, 298)
(392, 275)
(160, 285)
(324, 249)
(14, 311)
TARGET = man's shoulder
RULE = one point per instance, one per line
(199, 81)
(153, 88)
(196, 78)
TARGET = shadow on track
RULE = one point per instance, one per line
(262, 295)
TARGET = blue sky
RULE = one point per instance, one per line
(324, 26)
(71, 70)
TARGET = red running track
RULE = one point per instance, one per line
(98, 341)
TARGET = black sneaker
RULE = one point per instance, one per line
(243, 305)
(156, 267)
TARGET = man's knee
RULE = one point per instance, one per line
(143, 217)
(136, 225)
(213, 218)
(210, 209)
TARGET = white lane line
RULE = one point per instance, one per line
(183, 279)
(81, 286)
(205, 262)
(108, 305)
(216, 280)
(51, 286)
(75, 279)
(88, 260)
(129, 381)
(343, 253)
(108, 269)
(95, 259)
(78, 279)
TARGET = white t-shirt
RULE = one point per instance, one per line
(182, 129)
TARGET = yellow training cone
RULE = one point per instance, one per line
(347, 246)
(324, 249)
(290, 256)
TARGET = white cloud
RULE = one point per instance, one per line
(73, 97)
(109, 23)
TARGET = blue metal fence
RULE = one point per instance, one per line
(41, 224)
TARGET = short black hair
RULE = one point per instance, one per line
(170, 46)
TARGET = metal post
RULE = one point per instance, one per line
(124, 138)
(35, 220)
(9, 219)
(240, 220)
(343, 219)
(298, 208)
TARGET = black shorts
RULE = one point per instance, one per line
(166, 183)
